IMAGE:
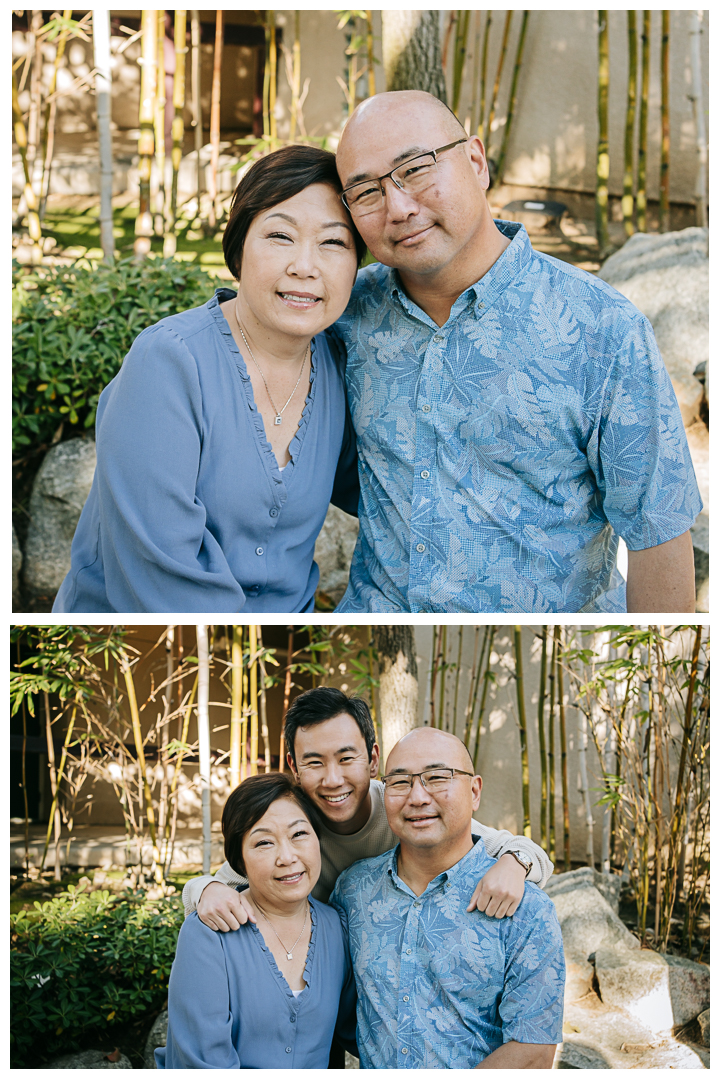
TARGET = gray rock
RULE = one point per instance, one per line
(89, 1059)
(596, 1036)
(674, 1055)
(587, 922)
(704, 1022)
(157, 1037)
(660, 991)
(61, 487)
(667, 277)
(333, 552)
(16, 567)
(607, 884)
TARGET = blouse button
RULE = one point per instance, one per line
(292, 1019)
(274, 512)
(288, 1049)
(258, 551)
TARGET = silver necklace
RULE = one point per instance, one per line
(288, 952)
(278, 412)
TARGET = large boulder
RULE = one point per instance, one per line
(16, 568)
(89, 1059)
(61, 487)
(667, 277)
(607, 884)
(334, 550)
(588, 922)
(156, 1038)
(660, 991)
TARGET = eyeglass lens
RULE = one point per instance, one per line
(413, 175)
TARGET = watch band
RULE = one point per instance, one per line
(522, 858)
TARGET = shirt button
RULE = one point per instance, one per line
(408, 951)
(274, 512)
(258, 551)
(425, 474)
(420, 547)
(417, 904)
(438, 337)
(292, 1019)
(406, 998)
(426, 408)
(288, 1049)
(404, 1050)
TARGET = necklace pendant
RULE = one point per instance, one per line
(289, 956)
(278, 420)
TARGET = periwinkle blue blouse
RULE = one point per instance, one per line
(189, 510)
(229, 1006)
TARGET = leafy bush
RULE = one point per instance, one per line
(84, 962)
(72, 326)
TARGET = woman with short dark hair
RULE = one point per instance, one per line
(226, 434)
(272, 994)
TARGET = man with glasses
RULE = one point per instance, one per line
(442, 986)
(333, 755)
(514, 416)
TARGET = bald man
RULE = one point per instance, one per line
(441, 987)
(513, 413)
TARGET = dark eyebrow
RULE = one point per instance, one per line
(316, 753)
(298, 821)
(435, 765)
(326, 225)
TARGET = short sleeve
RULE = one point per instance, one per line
(531, 1007)
(638, 453)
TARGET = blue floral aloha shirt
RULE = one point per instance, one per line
(440, 987)
(502, 454)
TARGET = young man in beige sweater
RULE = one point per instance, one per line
(333, 755)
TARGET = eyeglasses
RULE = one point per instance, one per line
(414, 175)
(431, 780)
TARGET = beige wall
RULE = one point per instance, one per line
(553, 141)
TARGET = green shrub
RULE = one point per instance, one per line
(83, 962)
(72, 326)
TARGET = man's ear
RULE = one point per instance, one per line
(478, 160)
(292, 767)
(375, 761)
(476, 788)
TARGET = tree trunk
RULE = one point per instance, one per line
(398, 676)
(412, 54)
(103, 89)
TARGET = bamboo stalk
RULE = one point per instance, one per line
(196, 102)
(263, 702)
(603, 157)
(371, 673)
(286, 693)
(474, 676)
(522, 724)
(253, 665)
(665, 124)
(178, 127)
(541, 742)
(483, 76)
(641, 197)
(437, 641)
(203, 723)
(60, 775)
(295, 84)
(443, 670)
(213, 210)
(699, 112)
(460, 54)
(474, 120)
(140, 752)
(53, 784)
(47, 143)
(483, 699)
(370, 40)
(452, 20)
(513, 98)
(146, 139)
(236, 705)
(163, 739)
(160, 201)
(272, 67)
(103, 96)
(498, 76)
(458, 669)
(551, 747)
(628, 201)
(34, 227)
(33, 133)
(176, 775)
(563, 751)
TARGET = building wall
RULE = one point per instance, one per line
(554, 135)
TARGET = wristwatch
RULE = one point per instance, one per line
(522, 858)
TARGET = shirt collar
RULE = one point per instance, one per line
(482, 293)
(470, 861)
